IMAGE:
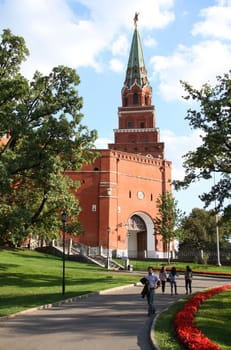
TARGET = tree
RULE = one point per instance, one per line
(46, 139)
(167, 223)
(200, 232)
(214, 155)
(199, 228)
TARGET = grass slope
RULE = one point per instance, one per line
(30, 279)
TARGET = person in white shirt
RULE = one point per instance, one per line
(163, 278)
(153, 282)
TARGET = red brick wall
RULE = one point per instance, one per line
(124, 174)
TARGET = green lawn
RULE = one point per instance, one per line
(213, 319)
(142, 265)
(164, 330)
(29, 278)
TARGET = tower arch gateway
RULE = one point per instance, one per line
(140, 230)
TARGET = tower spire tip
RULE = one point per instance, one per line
(135, 19)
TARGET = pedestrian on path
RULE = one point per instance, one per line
(153, 282)
(188, 280)
(172, 279)
(163, 278)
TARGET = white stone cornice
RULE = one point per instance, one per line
(136, 111)
(137, 130)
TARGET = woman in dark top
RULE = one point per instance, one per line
(172, 278)
(188, 280)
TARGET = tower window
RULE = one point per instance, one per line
(130, 125)
(135, 98)
(130, 194)
(125, 101)
(142, 125)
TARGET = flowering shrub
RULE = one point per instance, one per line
(187, 332)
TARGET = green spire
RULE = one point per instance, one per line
(136, 72)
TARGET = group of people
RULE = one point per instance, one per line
(152, 282)
(172, 279)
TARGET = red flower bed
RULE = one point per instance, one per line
(187, 332)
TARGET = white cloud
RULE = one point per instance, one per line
(153, 14)
(102, 143)
(177, 146)
(116, 65)
(201, 62)
(53, 34)
(197, 65)
(216, 21)
(60, 32)
(149, 41)
(120, 46)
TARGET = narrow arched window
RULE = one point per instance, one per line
(135, 98)
(125, 101)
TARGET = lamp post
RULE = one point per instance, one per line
(64, 219)
(218, 243)
(217, 229)
(108, 242)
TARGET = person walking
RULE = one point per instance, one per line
(152, 282)
(172, 279)
(163, 278)
(188, 280)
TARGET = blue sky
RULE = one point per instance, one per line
(182, 40)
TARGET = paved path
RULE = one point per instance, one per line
(116, 320)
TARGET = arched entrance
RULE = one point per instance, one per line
(141, 243)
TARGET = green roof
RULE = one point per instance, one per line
(136, 67)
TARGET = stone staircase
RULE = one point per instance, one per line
(82, 253)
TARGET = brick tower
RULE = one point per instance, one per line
(137, 131)
(119, 190)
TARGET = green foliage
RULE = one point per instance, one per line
(200, 230)
(47, 139)
(214, 155)
(167, 223)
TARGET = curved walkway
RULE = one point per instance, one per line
(114, 319)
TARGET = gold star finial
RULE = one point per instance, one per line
(136, 18)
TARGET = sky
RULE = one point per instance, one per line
(182, 40)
